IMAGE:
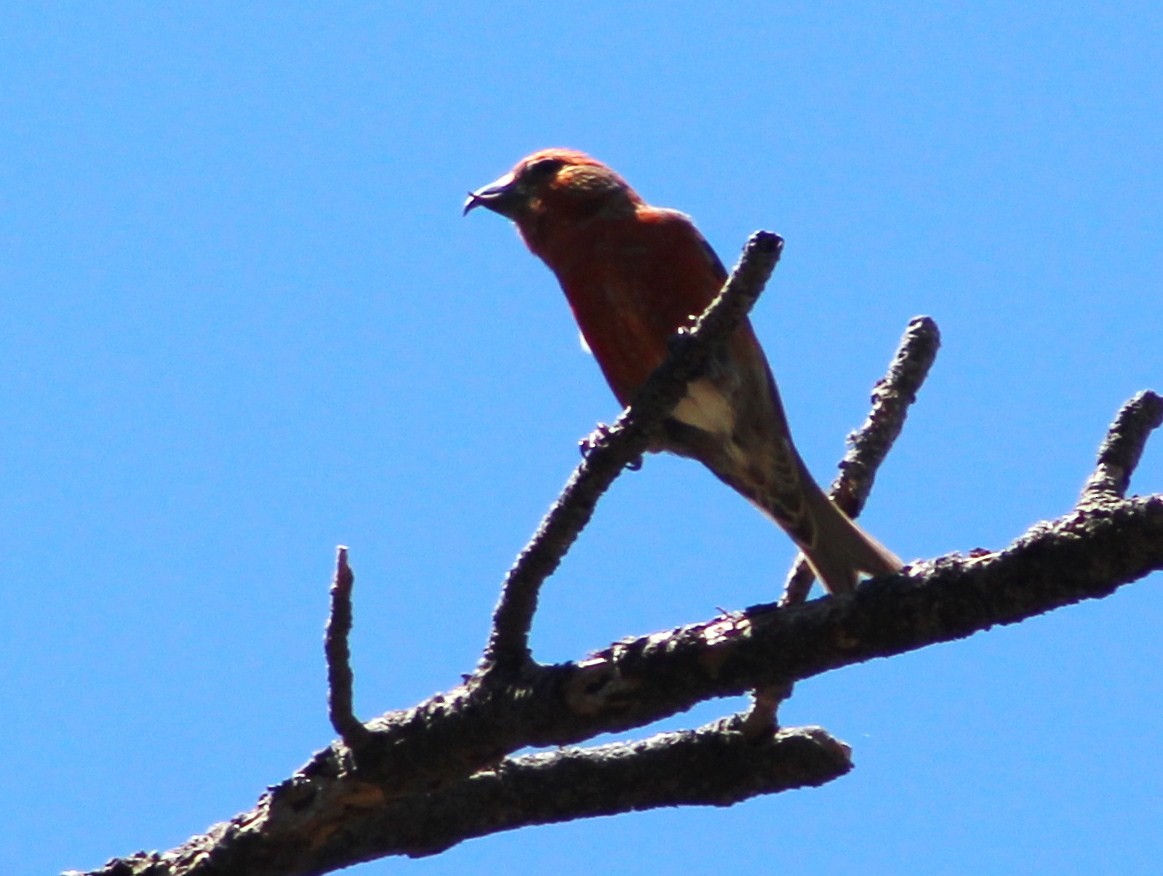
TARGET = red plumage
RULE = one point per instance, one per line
(633, 275)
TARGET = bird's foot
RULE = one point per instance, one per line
(601, 432)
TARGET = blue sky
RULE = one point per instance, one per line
(243, 321)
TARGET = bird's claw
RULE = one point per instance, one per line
(602, 431)
(586, 445)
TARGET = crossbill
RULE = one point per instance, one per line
(634, 275)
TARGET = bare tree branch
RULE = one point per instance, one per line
(335, 648)
(717, 767)
(1119, 455)
(1087, 554)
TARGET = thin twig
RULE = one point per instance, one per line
(335, 647)
(869, 445)
(615, 447)
(1120, 451)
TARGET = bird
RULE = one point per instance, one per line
(634, 275)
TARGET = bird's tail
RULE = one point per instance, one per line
(836, 548)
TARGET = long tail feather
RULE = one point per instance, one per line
(839, 549)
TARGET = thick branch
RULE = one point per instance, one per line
(616, 447)
(717, 767)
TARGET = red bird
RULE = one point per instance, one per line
(633, 275)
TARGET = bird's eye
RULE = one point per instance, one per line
(543, 168)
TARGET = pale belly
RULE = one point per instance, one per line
(704, 407)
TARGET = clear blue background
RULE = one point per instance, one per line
(242, 321)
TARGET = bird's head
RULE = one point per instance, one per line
(555, 185)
